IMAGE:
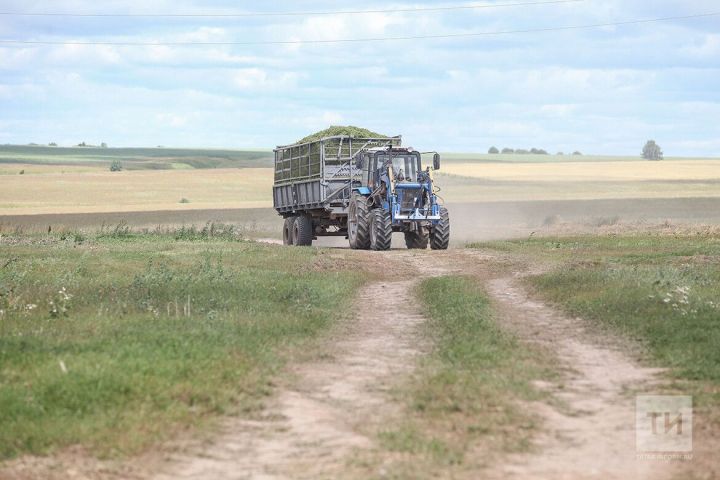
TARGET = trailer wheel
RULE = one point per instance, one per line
(440, 234)
(288, 226)
(359, 222)
(380, 229)
(303, 231)
(417, 240)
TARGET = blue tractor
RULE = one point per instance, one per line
(361, 188)
(394, 194)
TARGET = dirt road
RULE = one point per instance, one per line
(315, 424)
(328, 411)
(592, 433)
(328, 414)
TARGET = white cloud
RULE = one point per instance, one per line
(202, 34)
(559, 109)
(84, 54)
(259, 79)
(171, 119)
(332, 118)
(22, 91)
(589, 89)
(708, 47)
(248, 78)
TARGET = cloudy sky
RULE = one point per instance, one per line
(603, 90)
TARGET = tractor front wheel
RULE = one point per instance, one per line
(440, 233)
(359, 222)
(380, 229)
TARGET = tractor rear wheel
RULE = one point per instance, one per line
(359, 222)
(380, 229)
(417, 240)
(288, 226)
(303, 231)
(440, 233)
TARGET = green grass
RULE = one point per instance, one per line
(118, 340)
(663, 290)
(465, 396)
(135, 158)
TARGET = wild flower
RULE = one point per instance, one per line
(679, 300)
(60, 304)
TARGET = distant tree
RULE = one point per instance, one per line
(652, 151)
(542, 151)
(81, 144)
(521, 151)
(116, 166)
(560, 153)
(507, 150)
(103, 145)
(493, 150)
(52, 144)
(577, 153)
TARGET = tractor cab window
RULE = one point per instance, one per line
(365, 169)
(405, 167)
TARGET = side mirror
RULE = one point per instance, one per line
(436, 161)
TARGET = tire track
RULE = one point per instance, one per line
(312, 428)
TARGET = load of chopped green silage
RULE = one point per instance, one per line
(350, 131)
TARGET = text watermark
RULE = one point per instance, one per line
(663, 425)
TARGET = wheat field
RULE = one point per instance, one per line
(140, 190)
(91, 188)
(675, 170)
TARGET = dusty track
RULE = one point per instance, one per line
(336, 404)
(592, 433)
(313, 426)
(329, 409)
(589, 426)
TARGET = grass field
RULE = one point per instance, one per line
(13, 158)
(103, 191)
(490, 196)
(118, 340)
(660, 289)
(466, 395)
(78, 180)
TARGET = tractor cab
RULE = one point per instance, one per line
(404, 165)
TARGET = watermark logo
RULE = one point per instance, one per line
(663, 424)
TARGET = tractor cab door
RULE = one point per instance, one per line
(367, 176)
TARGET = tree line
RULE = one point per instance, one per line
(523, 151)
(651, 151)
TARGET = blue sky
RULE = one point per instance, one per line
(603, 90)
